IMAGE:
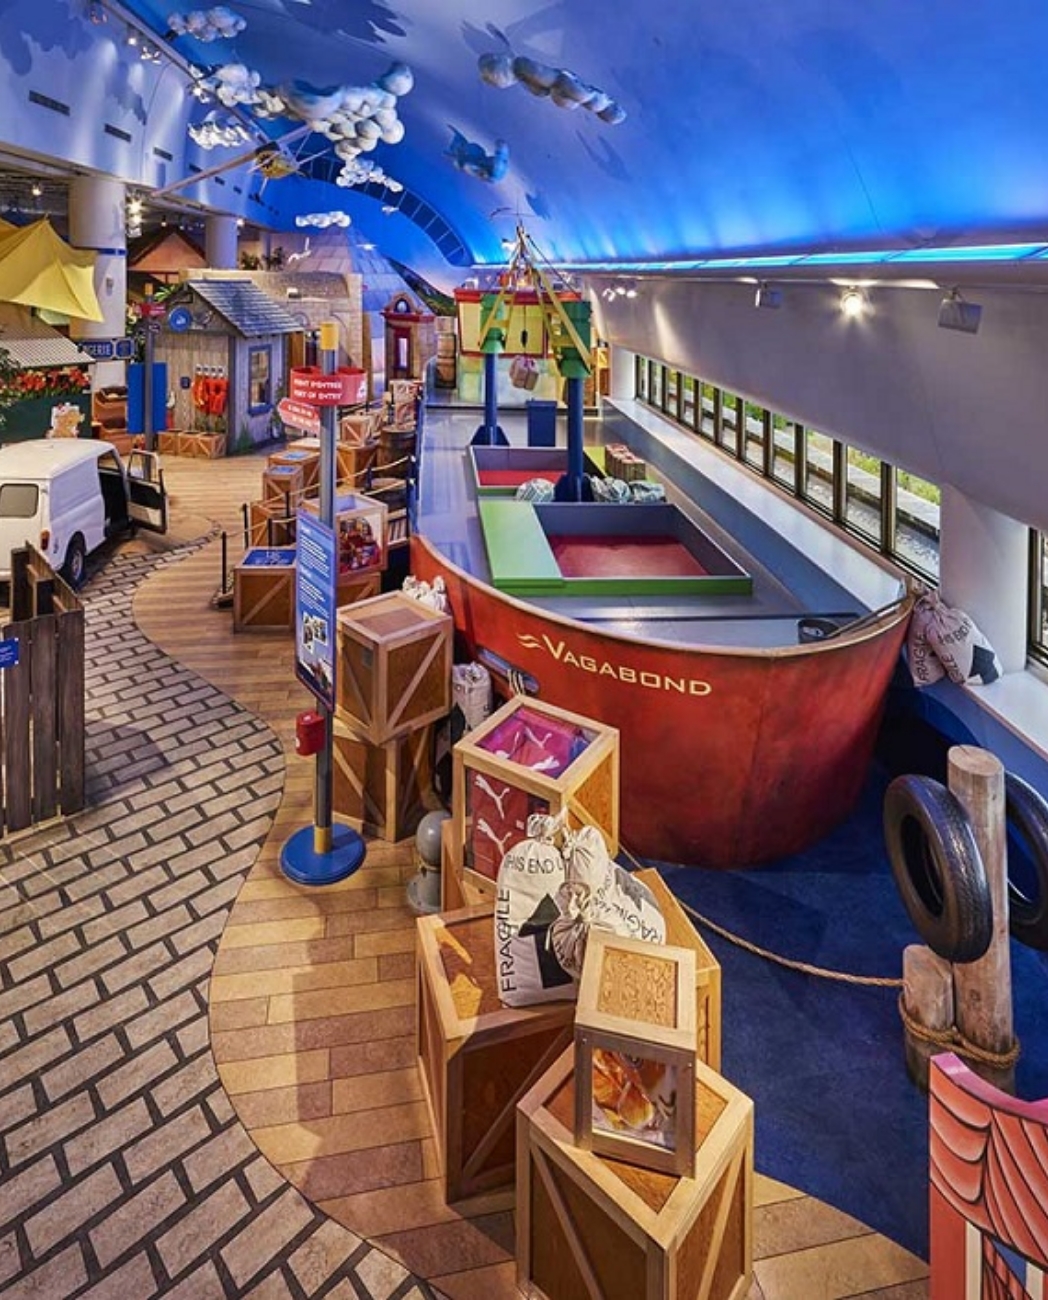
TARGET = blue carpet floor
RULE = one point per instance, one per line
(835, 1112)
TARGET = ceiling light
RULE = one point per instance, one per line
(956, 314)
(95, 13)
(631, 292)
(131, 37)
(768, 297)
(37, 189)
(853, 303)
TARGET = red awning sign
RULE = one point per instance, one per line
(345, 387)
(299, 416)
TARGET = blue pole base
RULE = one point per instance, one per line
(572, 487)
(489, 436)
(300, 862)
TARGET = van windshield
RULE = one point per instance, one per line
(18, 500)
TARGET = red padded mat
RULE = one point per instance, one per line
(623, 557)
(515, 477)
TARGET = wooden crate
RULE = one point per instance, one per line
(352, 462)
(503, 792)
(681, 933)
(394, 666)
(383, 790)
(635, 1024)
(264, 589)
(352, 588)
(283, 483)
(360, 528)
(360, 426)
(455, 890)
(476, 1057)
(591, 1226)
(202, 446)
(167, 442)
(307, 458)
(268, 524)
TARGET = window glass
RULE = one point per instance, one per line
(18, 500)
(110, 462)
(729, 421)
(656, 384)
(818, 470)
(783, 456)
(687, 410)
(862, 494)
(753, 429)
(670, 403)
(708, 401)
(917, 522)
(642, 378)
(1041, 623)
(259, 379)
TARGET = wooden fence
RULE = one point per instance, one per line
(41, 698)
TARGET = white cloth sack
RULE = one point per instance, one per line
(598, 893)
(435, 595)
(471, 692)
(530, 876)
(925, 666)
(960, 647)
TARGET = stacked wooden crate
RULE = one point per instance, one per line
(621, 462)
(393, 683)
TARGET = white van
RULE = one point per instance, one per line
(66, 496)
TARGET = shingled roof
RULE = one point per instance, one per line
(31, 342)
(246, 308)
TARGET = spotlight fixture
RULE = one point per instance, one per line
(853, 302)
(132, 36)
(956, 314)
(95, 13)
(36, 190)
(768, 297)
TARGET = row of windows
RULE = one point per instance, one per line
(887, 508)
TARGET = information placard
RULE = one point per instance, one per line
(315, 608)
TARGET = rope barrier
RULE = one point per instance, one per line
(952, 1040)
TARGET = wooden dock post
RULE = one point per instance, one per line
(983, 988)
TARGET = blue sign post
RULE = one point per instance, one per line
(325, 852)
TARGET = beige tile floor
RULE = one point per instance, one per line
(312, 1010)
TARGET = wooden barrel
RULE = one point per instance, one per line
(395, 447)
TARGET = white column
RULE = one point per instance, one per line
(220, 235)
(983, 556)
(623, 378)
(97, 221)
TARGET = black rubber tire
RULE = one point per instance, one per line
(1027, 813)
(938, 868)
(74, 570)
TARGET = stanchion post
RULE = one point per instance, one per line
(983, 988)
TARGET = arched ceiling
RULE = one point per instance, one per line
(752, 126)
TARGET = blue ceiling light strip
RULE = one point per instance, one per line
(878, 257)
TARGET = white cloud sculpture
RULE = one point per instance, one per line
(562, 86)
(357, 171)
(324, 219)
(217, 24)
(218, 132)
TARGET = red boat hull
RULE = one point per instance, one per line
(730, 757)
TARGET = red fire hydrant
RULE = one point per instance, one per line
(309, 733)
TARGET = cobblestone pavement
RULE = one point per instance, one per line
(123, 1169)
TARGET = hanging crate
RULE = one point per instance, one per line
(264, 589)
(476, 1057)
(394, 666)
(588, 1225)
(530, 757)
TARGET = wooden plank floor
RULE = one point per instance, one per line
(312, 1001)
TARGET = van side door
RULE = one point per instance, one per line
(147, 497)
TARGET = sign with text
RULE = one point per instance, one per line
(299, 416)
(344, 387)
(108, 349)
(9, 653)
(315, 608)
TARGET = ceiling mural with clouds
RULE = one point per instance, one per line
(615, 131)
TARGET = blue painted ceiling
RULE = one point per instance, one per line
(751, 126)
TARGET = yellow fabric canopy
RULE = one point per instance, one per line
(39, 269)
